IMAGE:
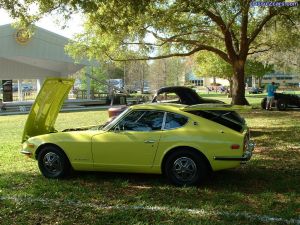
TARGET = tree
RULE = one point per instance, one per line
(285, 51)
(136, 75)
(208, 64)
(258, 69)
(167, 72)
(230, 29)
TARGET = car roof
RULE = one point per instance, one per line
(160, 106)
(180, 108)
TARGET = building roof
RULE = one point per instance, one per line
(42, 55)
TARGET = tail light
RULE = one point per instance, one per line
(246, 140)
(235, 146)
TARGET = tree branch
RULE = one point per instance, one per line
(259, 51)
(222, 54)
(261, 25)
(235, 41)
(244, 45)
(227, 35)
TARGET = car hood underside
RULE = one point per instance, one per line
(46, 107)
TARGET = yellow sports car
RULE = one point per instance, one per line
(182, 142)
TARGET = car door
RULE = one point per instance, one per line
(131, 144)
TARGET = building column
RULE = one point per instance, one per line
(20, 93)
(38, 85)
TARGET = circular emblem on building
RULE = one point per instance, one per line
(22, 36)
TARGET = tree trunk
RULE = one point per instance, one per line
(142, 78)
(259, 81)
(230, 88)
(238, 89)
(165, 72)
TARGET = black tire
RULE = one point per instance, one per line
(53, 163)
(192, 168)
(263, 103)
(281, 105)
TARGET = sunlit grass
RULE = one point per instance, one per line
(267, 185)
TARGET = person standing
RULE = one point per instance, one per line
(2, 105)
(271, 89)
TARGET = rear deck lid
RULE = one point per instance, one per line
(220, 113)
(48, 103)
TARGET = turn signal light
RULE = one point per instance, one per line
(235, 146)
(31, 145)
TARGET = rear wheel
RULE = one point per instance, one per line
(185, 167)
(281, 105)
(53, 163)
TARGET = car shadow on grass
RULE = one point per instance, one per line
(246, 188)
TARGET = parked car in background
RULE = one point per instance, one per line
(26, 88)
(181, 95)
(183, 142)
(283, 101)
(255, 90)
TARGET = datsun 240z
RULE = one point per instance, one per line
(182, 142)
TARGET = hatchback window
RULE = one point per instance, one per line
(174, 121)
(142, 121)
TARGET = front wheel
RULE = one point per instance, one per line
(264, 103)
(53, 163)
(185, 167)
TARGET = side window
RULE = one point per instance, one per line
(142, 121)
(174, 121)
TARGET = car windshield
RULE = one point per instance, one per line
(114, 121)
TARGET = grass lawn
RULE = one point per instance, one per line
(264, 191)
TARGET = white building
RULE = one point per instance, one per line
(33, 58)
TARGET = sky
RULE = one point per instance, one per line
(75, 25)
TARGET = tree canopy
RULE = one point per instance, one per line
(115, 29)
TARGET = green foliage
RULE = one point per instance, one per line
(257, 69)
(102, 73)
(96, 86)
(208, 64)
(156, 29)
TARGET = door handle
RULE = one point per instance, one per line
(149, 141)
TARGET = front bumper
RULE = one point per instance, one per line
(25, 152)
(245, 157)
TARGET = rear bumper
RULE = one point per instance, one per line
(245, 157)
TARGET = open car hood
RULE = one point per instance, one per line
(46, 106)
(217, 107)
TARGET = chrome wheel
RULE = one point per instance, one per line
(52, 163)
(184, 169)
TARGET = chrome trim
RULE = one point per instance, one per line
(149, 141)
(26, 152)
(164, 121)
(245, 157)
(165, 118)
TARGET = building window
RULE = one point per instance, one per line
(197, 82)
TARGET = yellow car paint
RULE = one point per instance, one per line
(129, 151)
